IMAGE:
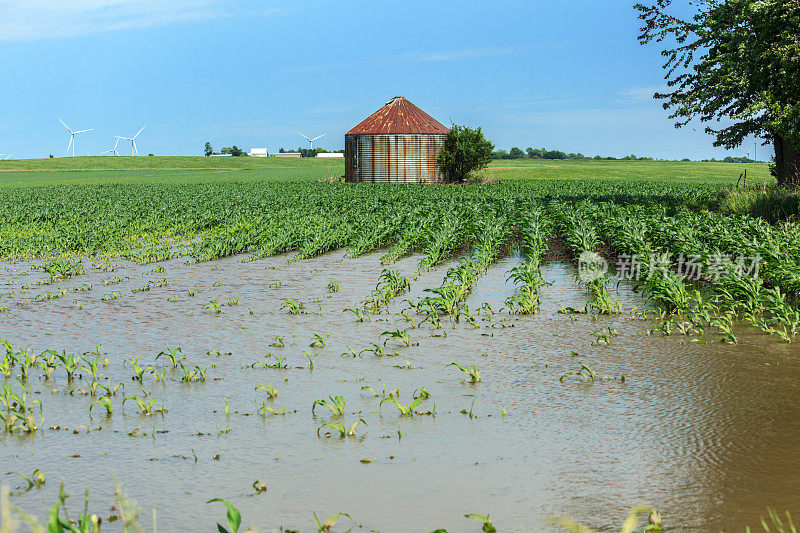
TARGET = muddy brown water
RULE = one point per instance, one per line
(706, 433)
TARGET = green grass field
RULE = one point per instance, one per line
(129, 170)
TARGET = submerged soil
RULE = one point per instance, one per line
(704, 431)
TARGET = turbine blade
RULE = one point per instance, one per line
(61, 121)
(319, 137)
(303, 136)
(140, 131)
(83, 131)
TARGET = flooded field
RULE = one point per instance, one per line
(705, 432)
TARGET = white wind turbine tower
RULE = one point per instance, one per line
(134, 150)
(311, 141)
(72, 135)
(113, 150)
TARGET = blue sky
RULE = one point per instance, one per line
(568, 75)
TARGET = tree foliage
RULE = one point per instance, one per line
(737, 61)
(234, 150)
(209, 150)
(465, 150)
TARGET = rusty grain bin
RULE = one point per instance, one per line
(399, 143)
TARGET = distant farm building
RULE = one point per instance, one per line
(399, 143)
(287, 154)
(259, 152)
(331, 155)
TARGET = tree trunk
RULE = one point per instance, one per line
(787, 162)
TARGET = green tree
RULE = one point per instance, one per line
(516, 153)
(209, 149)
(465, 150)
(735, 60)
(234, 150)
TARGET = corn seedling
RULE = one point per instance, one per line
(37, 479)
(279, 342)
(146, 407)
(138, 369)
(233, 517)
(472, 371)
(173, 355)
(485, 520)
(264, 409)
(318, 342)
(340, 428)
(332, 287)
(583, 374)
(105, 402)
(335, 405)
(398, 335)
(349, 353)
(215, 305)
(329, 522)
(294, 307)
(404, 409)
(197, 373)
(271, 392)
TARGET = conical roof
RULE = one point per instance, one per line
(399, 116)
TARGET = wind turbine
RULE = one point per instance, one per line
(134, 150)
(311, 141)
(8, 156)
(72, 135)
(113, 150)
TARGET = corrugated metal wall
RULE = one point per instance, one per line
(393, 158)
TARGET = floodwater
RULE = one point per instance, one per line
(706, 433)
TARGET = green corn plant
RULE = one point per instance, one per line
(264, 409)
(279, 342)
(335, 405)
(421, 393)
(404, 409)
(310, 362)
(233, 517)
(91, 367)
(775, 524)
(147, 408)
(109, 391)
(361, 316)
(472, 371)
(70, 363)
(318, 342)
(329, 522)
(399, 335)
(37, 479)
(197, 373)
(584, 373)
(274, 361)
(215, 305)
(174, 355)
(349, 353)
(332, 287)
(340, 428)
(271, 392)
(105, 402)
(138, 369)
(372, 391)
(294, 307)
(654, 522)
(485, 520)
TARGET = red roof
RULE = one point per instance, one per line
(399, 116)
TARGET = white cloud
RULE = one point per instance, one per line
(640, 94)
(452, 55)
(32, 20)
(418, 56)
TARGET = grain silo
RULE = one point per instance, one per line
(399, 143)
